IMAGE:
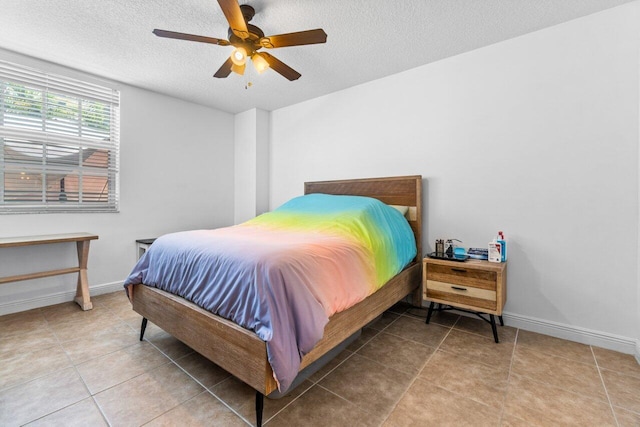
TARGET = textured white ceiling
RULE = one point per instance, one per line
(367, 40)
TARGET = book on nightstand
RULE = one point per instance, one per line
(478, 253)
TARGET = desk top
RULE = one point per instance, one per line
(8, 242)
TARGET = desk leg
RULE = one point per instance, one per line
(82, 290)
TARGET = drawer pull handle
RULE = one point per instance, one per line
(458, 288)
(459, 270)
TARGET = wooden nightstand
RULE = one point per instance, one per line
(143, 245)
(473, 286)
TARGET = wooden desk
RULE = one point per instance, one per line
(82, 242)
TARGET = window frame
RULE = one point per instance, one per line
(56, 130)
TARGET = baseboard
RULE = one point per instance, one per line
(574, 333)
(57, 298)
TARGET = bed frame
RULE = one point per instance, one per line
(239, 351)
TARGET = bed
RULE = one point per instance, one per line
(240, 351)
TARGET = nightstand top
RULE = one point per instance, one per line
(146, 241)
(479, 264)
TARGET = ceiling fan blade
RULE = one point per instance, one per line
(294, 39)
(191, 37)
(279, 66)
(224, 70)
(232, 12)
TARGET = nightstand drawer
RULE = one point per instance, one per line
(467, 277)
(456, 293)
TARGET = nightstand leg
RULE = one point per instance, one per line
(501, 321)
(430, 312)
(493, 327)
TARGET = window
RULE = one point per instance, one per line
(59, 141)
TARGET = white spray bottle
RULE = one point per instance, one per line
(495, 251)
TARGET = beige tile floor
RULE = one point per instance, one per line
(62, 366)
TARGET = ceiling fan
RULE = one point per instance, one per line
(248, 40)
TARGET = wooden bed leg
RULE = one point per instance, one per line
(143, 327)
(259, 407)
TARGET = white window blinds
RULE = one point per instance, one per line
(59, 141)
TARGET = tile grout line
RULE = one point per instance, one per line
(310, 387)
(576, 393)
(93, 399)
(615, 417)
(107, 353)
(104, 415)
(206, 389)
(383, 330)
(512, 375)
(451, 329)
(297, 397)
(73, 365)
(27, 381)
(342, 398)
(415, 378)
(317, 383)
(283, 408)
(404, 314)
(75, 368)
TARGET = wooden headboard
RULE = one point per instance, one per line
(397, 190)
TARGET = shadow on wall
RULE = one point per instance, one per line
(524, 284)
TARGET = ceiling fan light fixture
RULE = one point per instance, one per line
(239, 56)
(238, 69)
(259, 63)
(247, 39)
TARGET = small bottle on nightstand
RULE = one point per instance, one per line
(495, 251)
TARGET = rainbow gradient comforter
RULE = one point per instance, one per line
(284, 273)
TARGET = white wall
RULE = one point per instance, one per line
(251, 164)
(176, 173)
(245, 166)
(263, 169)
(536, 136)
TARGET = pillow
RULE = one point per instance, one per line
(402, 209)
